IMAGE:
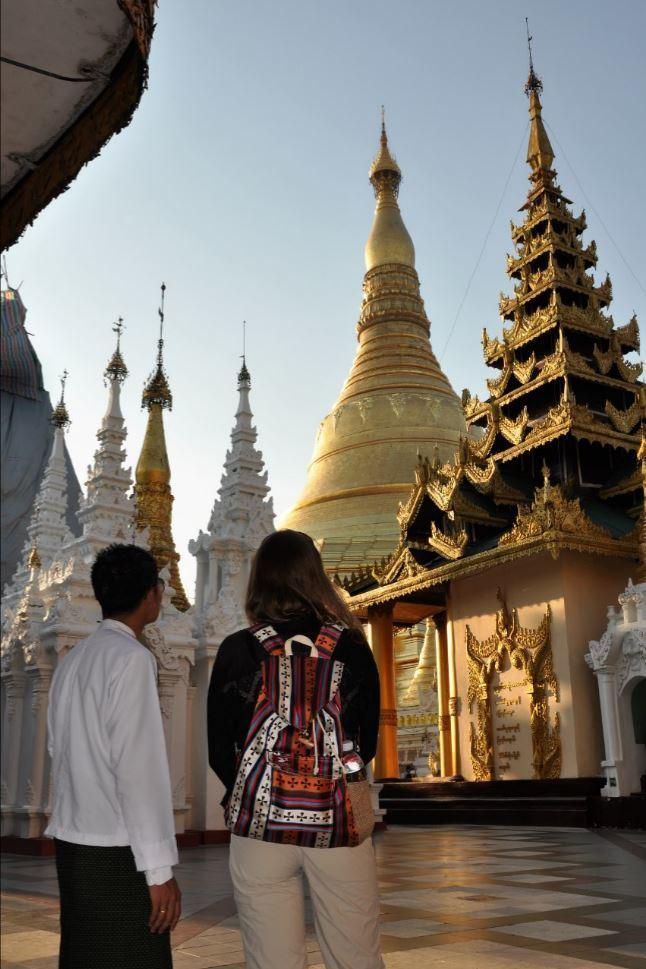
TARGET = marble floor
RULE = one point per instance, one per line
(456, 897)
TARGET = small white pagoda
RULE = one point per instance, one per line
(618, 661)
(242, 516)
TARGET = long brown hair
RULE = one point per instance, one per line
(288, 580)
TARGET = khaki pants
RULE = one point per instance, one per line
(268, 887)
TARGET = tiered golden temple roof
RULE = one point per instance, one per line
(153, 496)
(395, 401)
(555, 465)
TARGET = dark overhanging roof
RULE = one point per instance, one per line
(50, 174)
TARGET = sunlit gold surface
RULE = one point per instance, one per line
(153, 497)
(395, 401)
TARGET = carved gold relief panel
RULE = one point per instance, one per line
(530, 652)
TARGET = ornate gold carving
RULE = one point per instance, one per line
(524, 371)
(614, 355)
(628, 335)
(552, 512)
(528, 650)
(401, 564)
(449, 545)
(470, 405)
(624, 420)
(514, 430)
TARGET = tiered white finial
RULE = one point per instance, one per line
(242, 515)
(105, 511)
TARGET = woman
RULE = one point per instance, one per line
(293, 710)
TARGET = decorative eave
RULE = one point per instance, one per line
(553, 542)
(558, 366)
(577, 419)
(545, 209)
(551, 279)
(450, 545)
(551, 242)
(527, 328)
(613, 356)
(551, 513)
(628, 335)
(50, 174)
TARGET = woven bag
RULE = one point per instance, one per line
(363, 812)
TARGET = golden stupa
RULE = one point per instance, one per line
(153, 495)
(395, 402)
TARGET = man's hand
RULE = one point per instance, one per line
(166, 906)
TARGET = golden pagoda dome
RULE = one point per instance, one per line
(395, 402)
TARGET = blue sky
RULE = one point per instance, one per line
(242, 183)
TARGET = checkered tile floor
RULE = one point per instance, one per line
(454, 897)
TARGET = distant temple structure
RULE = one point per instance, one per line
(546, 506)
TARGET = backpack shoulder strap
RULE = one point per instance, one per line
(328, 637)
(268, 638)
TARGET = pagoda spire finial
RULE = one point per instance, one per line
(384, 168)
(534, 82)
(244, 376)
(389, 241)
(116, 368)
(60, 417)
(157, 390)
(540, 154)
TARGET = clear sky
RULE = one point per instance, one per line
(242, 183)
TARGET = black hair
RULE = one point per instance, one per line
(122, 576)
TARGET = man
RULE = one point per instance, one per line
(112, 812)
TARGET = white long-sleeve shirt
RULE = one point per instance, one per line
(111, 783)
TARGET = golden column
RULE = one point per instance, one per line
(443, 718)
(153, 497)
(380, 619)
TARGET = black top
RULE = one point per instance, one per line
(236, 678)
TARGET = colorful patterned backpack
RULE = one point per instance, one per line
(299, 782)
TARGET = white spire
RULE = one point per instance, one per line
(106, 512)
(48, 530)
(243, 509)
(242, 515)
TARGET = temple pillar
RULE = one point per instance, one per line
(454, 702)
(201, 579)
(35, 801)
(381, 639)
(11, 743)
(188, 761)
(443, 689)
(212, 591)
(606, 680)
